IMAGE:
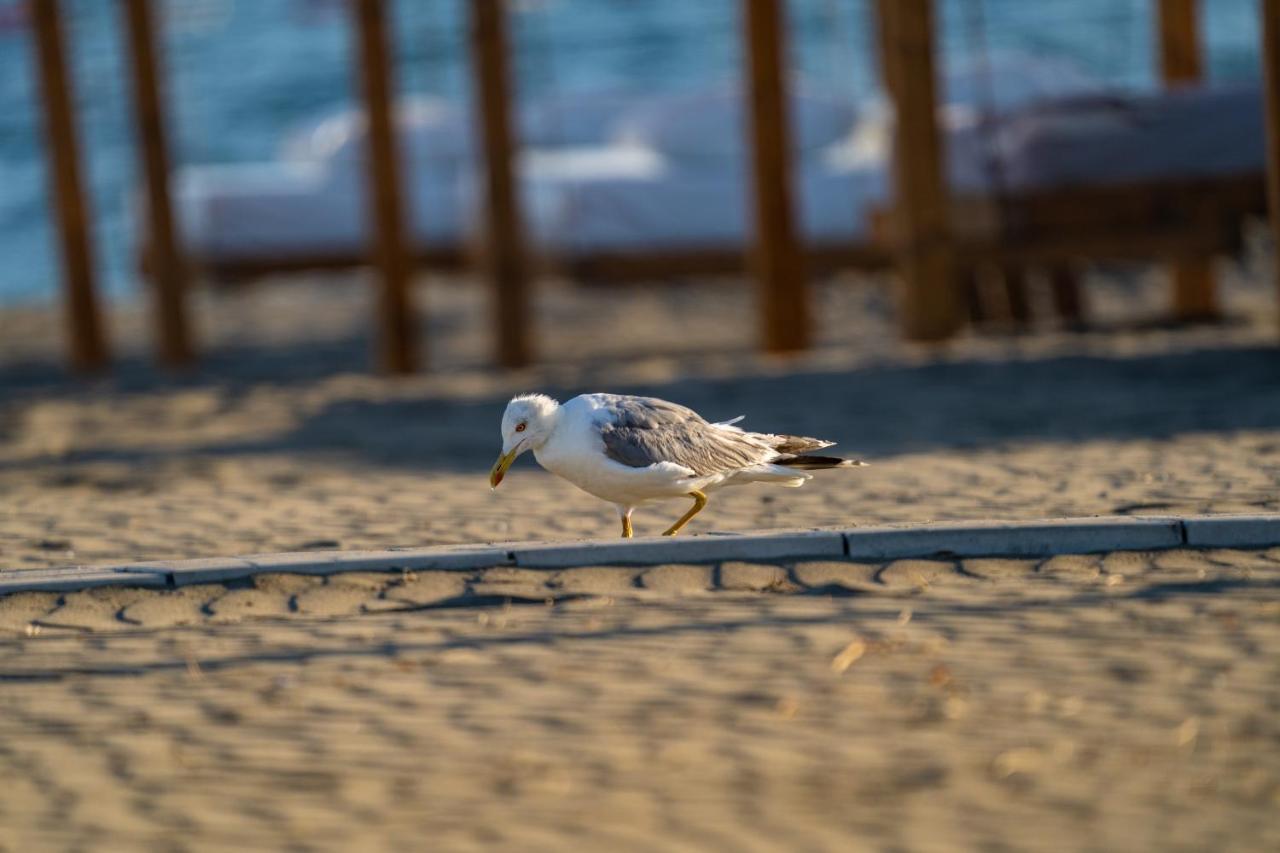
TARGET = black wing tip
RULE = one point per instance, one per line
(819, 463)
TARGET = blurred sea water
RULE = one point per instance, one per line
(243, 75)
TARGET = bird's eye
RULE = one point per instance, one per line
(520, 427)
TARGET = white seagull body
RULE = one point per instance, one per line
(631, 450)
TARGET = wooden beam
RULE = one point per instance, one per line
(884, 65)
(1017, 299)
(169, 268)
(1181, 59)
(87, 339)
(672, 265)
(504, 252)
(1194, 289)
(968, 284)
(1181, 63)
(1271, 76)
(921, 228)
(1068, 300)
(398, 350)
(776, 254)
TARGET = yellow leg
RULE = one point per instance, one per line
(699, 501)
(626, 526)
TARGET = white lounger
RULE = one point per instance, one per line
(611, 173)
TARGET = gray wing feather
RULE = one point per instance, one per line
(645, 412)
(643, 431)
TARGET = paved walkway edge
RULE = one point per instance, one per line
(952, 539)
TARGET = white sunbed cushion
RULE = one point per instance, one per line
(1183, 134)
(436, 129)
(584, 120)
(710, 126)
(284, 210)
(680, 209)
(430, 129)
(1008, 80)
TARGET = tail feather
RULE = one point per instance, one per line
(795, 445)
(818, 463)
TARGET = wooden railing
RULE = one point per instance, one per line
(923, 248)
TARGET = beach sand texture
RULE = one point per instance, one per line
(1110, 702)
(278, 445)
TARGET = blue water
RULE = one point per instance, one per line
(243, 74)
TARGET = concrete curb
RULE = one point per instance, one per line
(219, 569)
(1020, 539)
(1231, 531)
(981, 539)
(74, 578)
(709, 548)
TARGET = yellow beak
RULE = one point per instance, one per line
(500, 468)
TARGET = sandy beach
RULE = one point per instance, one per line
(280, 442)
(1110, 702)
(1106, 702)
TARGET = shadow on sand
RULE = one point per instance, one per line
(874, 411)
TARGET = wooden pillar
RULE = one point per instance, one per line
(777, 257)
(1271, 76)
(504, 254)
(1181, 59)
(1181, 63)
(885, 66)
(398, 351)
(1017, 299)
(1068, 301)
(921, 203)
(88, 343)
(168, 265)
(968, 285)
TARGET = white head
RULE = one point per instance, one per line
(526, 425)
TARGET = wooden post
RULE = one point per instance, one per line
(969, 286)
(921, 204)
(777, 257)
(88, 343)
(883, 35)
(168, 265)
(1180, 55)
(392, 255)
(504, 255)
(1068, 301)
(1181, 63)
(1271, 76)
(1016, 298)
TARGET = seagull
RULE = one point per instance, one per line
(632, 450)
